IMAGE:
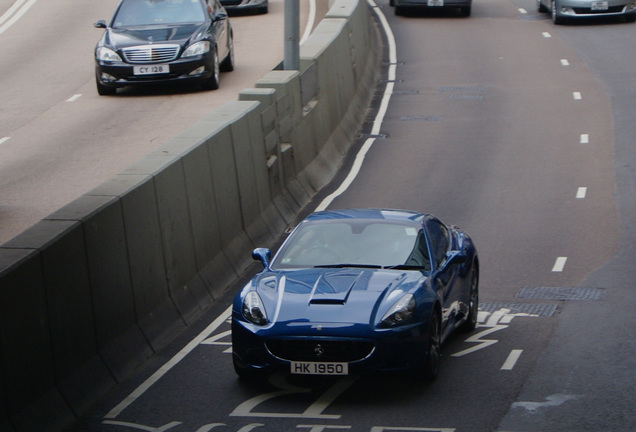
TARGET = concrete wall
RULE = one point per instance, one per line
(99, 286)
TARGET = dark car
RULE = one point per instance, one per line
(357, 290)
(563, 10)
(238, 6)
(158, 41)
(401, 6)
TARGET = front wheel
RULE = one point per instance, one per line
(433, 353)
(212, 83)
(557, 18)
(473, 302)
(104, 90)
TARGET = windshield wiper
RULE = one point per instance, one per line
(348, 265)
(405, 267)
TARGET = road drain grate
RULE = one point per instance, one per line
(540, 309)
(561, 293)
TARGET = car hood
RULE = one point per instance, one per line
(349, 295)
(180, 34)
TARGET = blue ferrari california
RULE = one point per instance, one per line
(357, 290)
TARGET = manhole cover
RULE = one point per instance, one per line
(561, 293)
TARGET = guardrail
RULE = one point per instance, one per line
(96, 288)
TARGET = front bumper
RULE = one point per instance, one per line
(365, 350)
(583, 9)
(121, 74)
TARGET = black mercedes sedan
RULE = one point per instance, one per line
(158, 41)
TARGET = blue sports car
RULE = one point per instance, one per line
(357, 290)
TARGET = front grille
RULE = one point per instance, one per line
(589, 11)
(319, 350)
(151, 53)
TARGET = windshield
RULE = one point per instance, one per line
(354, 243)
(158, 12)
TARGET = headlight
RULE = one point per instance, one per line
(253, 309)
(400, 312)
(197, 49)
(107, 54)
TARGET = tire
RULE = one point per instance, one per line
(399, 10)
(465, 11)
(212, 83)
(104, 90)
(473, 302)
(433, 349)
(228, 63)
(630, 18)
(557, 19)
(541, 8)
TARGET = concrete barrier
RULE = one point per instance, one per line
(99, 286)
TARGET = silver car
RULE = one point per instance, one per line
(562, 10)
(401, 5)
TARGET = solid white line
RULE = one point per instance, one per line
(13, 19)
(581, 192)
(139, 391)
(11, 11)
(310, 21)
(4, 140)
(74, 98)
(512, 359)
(377, 122)
(585, 139)
(577, 95)
(565, 62)
(559, 264)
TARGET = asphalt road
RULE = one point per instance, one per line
(521, 133)
(58, 138)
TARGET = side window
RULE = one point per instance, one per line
(438, 235)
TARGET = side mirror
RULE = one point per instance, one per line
(100, 24)
(456, 257)
(263, 255)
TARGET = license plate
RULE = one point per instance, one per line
(319, 368)
(600, 5)
(151, 70)
(434, 3)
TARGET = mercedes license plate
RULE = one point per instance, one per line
(151, 69)
(319, 368)
(600, 5)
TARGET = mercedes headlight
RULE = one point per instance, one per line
(400, 312)
(197, 49)
(107, 54)
(253, 309)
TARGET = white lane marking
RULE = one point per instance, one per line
(581, 192)
(310, 21)
(139, 391)
(522, 11)
(510, 362)
(379, 118)
(565, 62)
(559, 264)
(74, 98)
(585, 139)
(577, 95)
(546, 35)
(14, 13)
(550, 401)
(4, 140)
(163, 428)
